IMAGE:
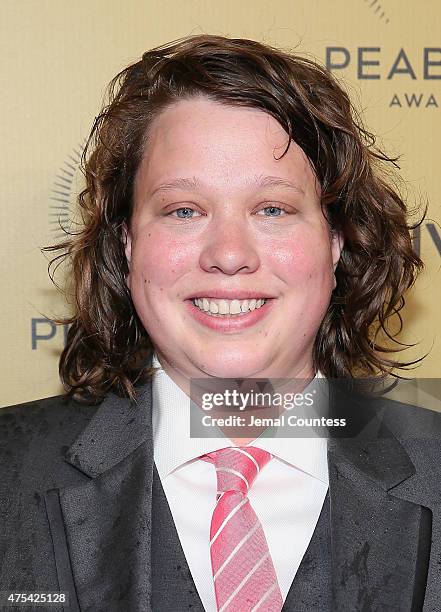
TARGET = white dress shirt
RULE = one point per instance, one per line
(287, 496)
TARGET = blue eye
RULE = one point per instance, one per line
(274, 209)
(186, 209)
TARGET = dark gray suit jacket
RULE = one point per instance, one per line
(83, 511)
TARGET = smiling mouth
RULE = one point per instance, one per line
(228, 308)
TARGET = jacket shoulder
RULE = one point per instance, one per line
(407, 421)
(43, 418)
(39, 432)
(419, 432)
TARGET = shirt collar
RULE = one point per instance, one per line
(174, 447)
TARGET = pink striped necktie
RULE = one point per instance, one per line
(243, 571)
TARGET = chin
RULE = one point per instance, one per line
(233, 367)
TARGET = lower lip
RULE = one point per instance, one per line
(232, 323)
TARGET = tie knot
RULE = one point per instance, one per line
(237, 468)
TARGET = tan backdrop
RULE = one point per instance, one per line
(57, 57)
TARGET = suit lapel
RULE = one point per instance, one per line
(380, 538)
(424, 487)
(107, 519)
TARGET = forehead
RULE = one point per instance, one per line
(227, 146)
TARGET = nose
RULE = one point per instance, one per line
(229, 247)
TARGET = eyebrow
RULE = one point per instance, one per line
(258, 181)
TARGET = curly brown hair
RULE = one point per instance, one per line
(107, 346)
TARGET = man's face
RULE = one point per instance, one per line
(218, 215)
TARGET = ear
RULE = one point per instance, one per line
(337, 243)
(127, 242)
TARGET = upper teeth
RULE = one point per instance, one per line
(228, 306)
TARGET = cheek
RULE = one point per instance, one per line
(291, 259)
(157, 261)
(304, 258)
